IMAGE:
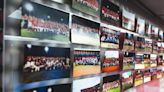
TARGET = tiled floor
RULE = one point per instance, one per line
(153, 86)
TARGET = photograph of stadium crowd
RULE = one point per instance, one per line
(54, 88)
(109, 38)
(91, 7)
(140, 26)
(127, 80)
(128, 60)
(110, 13)
(111, 84)
(147, 60)
(85, 31)
(140, 44)
(148, 45)
(91, 84)
(139, 61)
(138, 78)
(111, 61)
(128, 20)
(41, 22)
(86, 62)
(44, 63)
(128, 42)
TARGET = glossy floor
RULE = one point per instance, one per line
(153, 86)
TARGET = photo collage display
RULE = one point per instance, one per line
(111, 49)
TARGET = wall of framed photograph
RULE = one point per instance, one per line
(78, 46)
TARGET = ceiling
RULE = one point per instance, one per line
(156, 7)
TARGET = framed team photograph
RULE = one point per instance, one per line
(153, 60)
(111, 84)
(109, 38)
(91, 7)
(161, 60)
(140, 44)
(138, 78)
(87, 85)
(42, 22)
(127, 80)
(129, 42)
(155, 47)
(139, 61)
(54, 88)
(111, 61)
(86, 62)
(44, 63)
(154, 32)
(161, 35)
(147, 76)
(110, 13)
(148, 28)
(140, 28)
(85, 31)
(160, 47)
(147, 60)
(148, 45)
(159, 73)
(128, 60)
(128, 20)
(156, 74)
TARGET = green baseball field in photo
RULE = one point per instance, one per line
(41, 35)
(86, 9)
(117, 89)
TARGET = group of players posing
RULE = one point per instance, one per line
(35, 24)
(36, 63)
